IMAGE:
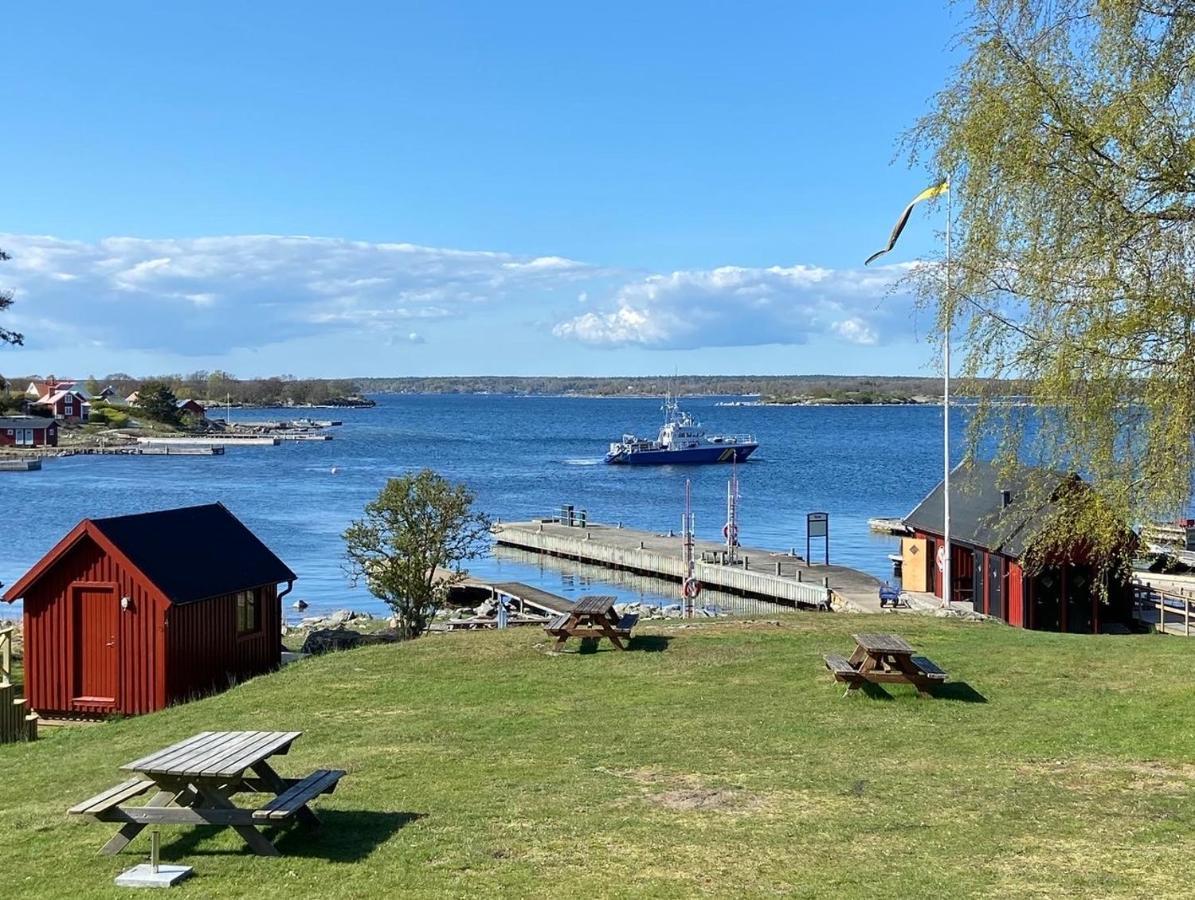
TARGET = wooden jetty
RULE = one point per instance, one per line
(889, 525)
(213, 440)
(526, 605)
(20, 465)
(768, 575)
(302, 436)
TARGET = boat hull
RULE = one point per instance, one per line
(693, 456)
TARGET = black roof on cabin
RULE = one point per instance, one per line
(195, 552)
(978, 515)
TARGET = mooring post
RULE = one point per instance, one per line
(777, 567)
(798, 576)
(746, 563)
(825, 582)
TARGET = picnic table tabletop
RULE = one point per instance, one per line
(601, 606)
(887, 644)
(215, 754)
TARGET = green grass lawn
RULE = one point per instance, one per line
(715, 759)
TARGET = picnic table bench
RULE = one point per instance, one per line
(194, 781)
(592, 618)
(885, 659)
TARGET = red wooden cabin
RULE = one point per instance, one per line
(993, 519)
(132, 613)
(67, 405)
(28, 431)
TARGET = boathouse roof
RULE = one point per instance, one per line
(225, 556)
(990, 507)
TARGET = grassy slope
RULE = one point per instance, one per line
(729, 763)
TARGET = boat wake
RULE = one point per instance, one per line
(584, 461)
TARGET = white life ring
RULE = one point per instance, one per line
(692, 588)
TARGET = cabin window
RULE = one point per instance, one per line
(248, 612)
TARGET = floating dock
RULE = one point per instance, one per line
(212, 441)
(765, 574)
(20, 465)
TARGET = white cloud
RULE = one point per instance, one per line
(734, 306)
(207, 295)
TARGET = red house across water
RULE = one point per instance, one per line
(133, 613)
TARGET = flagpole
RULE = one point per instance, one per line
(946, 592)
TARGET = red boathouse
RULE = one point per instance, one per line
(993, 520)
(124, 616)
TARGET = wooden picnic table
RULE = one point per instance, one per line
(885, 659)
(194, 782)
(592, 618)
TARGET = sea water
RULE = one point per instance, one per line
(523, 457)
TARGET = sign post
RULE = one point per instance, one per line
(817, 525)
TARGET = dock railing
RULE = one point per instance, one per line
(1161, 609)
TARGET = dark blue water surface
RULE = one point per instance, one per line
(524, 457)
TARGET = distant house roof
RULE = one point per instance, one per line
(156, 543)
(188, 402)
(26, 422)
(978, 513)
(58, 395)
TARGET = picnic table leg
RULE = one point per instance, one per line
(258, 842)
(616, 640)
(274, 782)
(916, 678)
(130, 830)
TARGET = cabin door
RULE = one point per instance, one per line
(97, 645)
(996, 586)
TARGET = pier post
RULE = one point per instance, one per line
(798, 576)
(641, 545)
(825, 582)
(777, 567)
(746, 563)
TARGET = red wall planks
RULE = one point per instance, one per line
(163, 653)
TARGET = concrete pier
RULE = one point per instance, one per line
(767, 574)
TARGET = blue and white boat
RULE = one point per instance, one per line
(681, 441)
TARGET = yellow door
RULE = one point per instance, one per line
(914, 564)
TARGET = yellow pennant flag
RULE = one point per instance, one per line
(928, 194)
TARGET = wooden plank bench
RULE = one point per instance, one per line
(929, 668)
(298, 795)
(111, 798)
(557, 624)
(842, 668)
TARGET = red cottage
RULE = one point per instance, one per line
(28, 431)
(67, 405)
(123, 616)
(992, 524)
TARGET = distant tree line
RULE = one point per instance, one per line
(766, 386)
(282, 390)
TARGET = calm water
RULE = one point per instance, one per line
(523, 457)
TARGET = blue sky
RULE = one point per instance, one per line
(439, 188)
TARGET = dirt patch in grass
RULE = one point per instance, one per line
(706, 800)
